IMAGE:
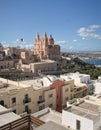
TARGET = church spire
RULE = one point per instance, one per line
(45, 35)
(37, 36)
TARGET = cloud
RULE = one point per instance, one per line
(70, 47)
(95, 26)
(29, 45)
(83, 38)
(89, 32)
(61, 42)
(74, 40)
(3, 42)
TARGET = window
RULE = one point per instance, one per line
(77, 124)
(2, 102)
(26, 99)
(66, 98)
(66, 90)
(50, 105)
(40, 97)
(14, 100)
(51, 95)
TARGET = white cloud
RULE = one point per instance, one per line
(83, 38)
(95, 26)
(70, 48)
(74, 40)
(61, 42)
(29, 45)
(89, 32)
(3, 42)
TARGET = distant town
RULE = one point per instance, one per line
(46, 85)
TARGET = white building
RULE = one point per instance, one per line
(48, 80)
(84, 115)
(97, 86)
(79, 78)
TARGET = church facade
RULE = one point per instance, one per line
(45, 48)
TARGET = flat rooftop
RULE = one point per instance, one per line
(11, 86)
(77, 74)
(87, 110)
(6, 116)
(36, 84)
(2, 108)
(78, 85)
(51, 126)
(44, 62)
(51, 117)
(47, 115)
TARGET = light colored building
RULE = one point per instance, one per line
(7, 116)
(44, 66)
(2, 54)
(51, 126)
(65, 90)
(16, 51)
(32, 95)
(38, 67)
(45, 48)
(97, 86)
(6, 64)
(48, 114)
(83, 114)
(58, 91)
(26, 98)
(16, 96)
(80, 78)
(27, 57)
(80, 90)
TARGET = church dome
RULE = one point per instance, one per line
(51, 39)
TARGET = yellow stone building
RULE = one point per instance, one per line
(45, 48)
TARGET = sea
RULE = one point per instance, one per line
(93, 61)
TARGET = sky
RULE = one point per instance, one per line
(74, 24)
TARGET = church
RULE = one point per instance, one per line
(45, 48)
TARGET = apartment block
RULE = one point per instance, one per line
(80, 79)
(83, 114)
(33, 95)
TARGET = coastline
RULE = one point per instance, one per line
(96, 62)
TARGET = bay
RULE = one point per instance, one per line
(93, 61)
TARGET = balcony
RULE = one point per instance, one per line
(24, 123)
(40, 101)
(27, 111)
(26, 100)
(72, 90)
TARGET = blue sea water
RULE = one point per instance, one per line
(93, 61)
